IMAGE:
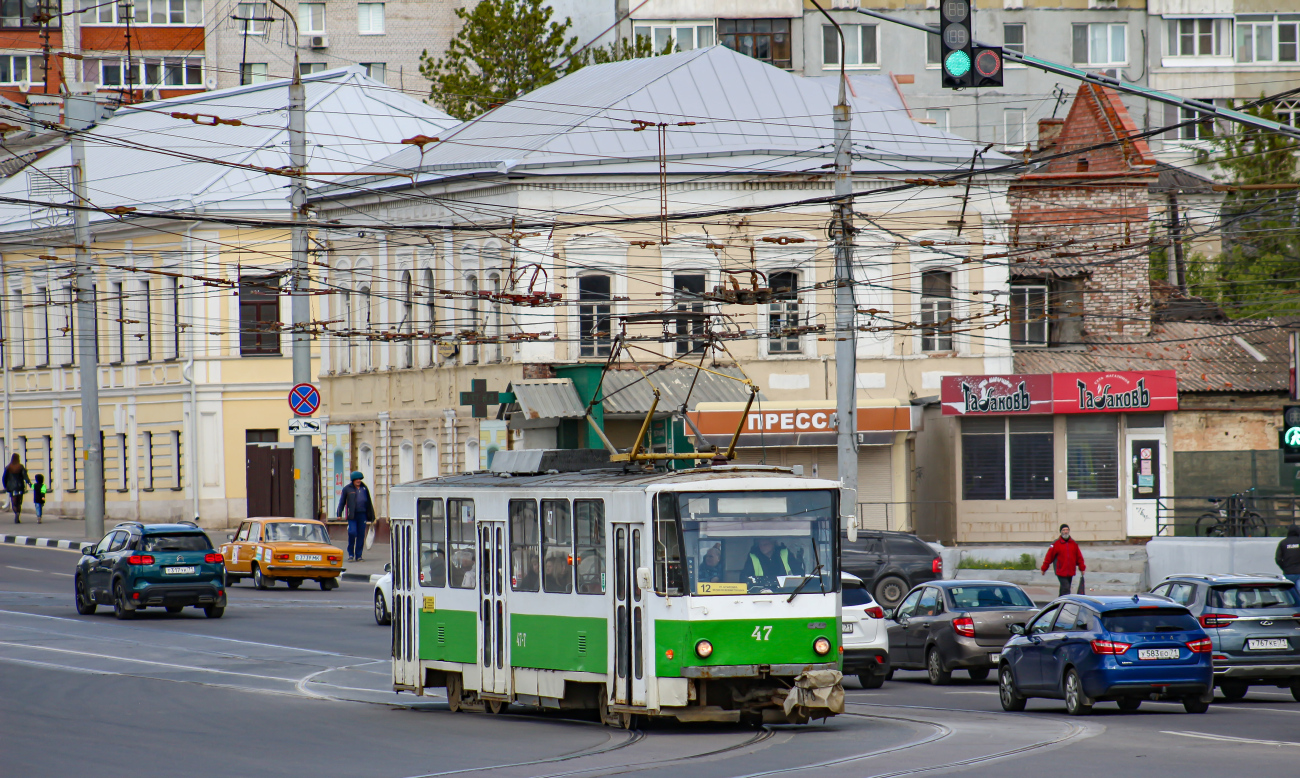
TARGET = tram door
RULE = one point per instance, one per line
(492, 616)
(406, 654)
(629, 617)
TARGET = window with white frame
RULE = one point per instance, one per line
(861, 45)
(152, 72)
(1268, 38)
(16, 68)
(936, 310)
(430, 317)
(307, 68)
(940, 118)
(41, 330)
(252, 18)
(594, 309)
(23, 13)
(1028, 315)
(688, 296)
(140, 13)
(311, 18)
(1013, 37)
(406, 325)
(472, 323)
(146, 461)
(376, 70)
(252, 73)
(429, 460)
(783, 315)
(171, 315)
(933, 51)
(370, 18)
(1287, 112)
(1100, 44)
(1014, 133)
(496, 329)
(1198, 37)
(117, 329)
(684, 35)
(1203, 129)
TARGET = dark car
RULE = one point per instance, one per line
(1086, 650)
(956, 625)
(1254, 622)
(137, 566)
(889, 563)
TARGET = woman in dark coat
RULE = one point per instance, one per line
(16, 483)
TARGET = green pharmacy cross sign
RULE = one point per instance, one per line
(478, 398)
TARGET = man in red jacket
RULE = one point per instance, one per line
(1065, 552)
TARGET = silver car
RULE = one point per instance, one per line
(1254, 621)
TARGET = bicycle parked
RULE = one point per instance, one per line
(1232, 517)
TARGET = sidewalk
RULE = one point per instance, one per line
(71, 534)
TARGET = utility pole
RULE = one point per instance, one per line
(300, 310)
(846, 341)
(86, 331)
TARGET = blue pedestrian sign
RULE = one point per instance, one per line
(304, 399)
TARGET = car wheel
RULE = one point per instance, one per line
(1233, 690)
(231, 580)
(122, 608)
(979, 674)
(382, 616)
(294, 583)
(890, 591)
(871, 680)
(214, 611)
(175, 608)
(889, 676)
(934, 666)
(1194, 704)
(1011, 699)
(1129, 704)
(261, 581)
(1295, 689)
(328, 584)
(85, 604)
(1076, 702)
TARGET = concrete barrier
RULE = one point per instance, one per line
(1171, 556)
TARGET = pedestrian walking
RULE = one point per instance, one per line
(16, 483)
(1068, 558)
(360, 509)
(1288, 554)
(39, 490)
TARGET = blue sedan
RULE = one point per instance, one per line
(1123, 649)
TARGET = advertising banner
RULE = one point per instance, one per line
(1106, 392)
(995, 395)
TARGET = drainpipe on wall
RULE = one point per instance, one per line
(9, 418)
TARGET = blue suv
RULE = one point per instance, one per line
(1123, 649)
(137, 566)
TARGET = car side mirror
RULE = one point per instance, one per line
(889, 614)
(1017, 629)
(643, 580)
(88, 550)
(230, 537)
(388, 567)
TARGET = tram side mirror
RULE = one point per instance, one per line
(388, 567)
(853, 528)
(643, 580)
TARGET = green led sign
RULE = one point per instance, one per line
(1292, 437)
(957, 64)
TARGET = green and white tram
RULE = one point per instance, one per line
(706, 595)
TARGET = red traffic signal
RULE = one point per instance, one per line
(986, 66)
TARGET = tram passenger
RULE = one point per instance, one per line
(433, 565)
(557, 574)
(711, 570)
(529, 582)
(766, 560)
(463, 571)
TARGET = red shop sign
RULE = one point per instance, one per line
(995, 395)
(1146, 390)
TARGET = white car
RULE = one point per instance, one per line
(383, 585)
(865, 639)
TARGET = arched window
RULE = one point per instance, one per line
(783, 314)
(407, 324)
(471, 456)
(348, 353)
(430, 318)
(366, 463)
(364, 322)
(429, 460)
(936, 310)
(495, 330)
(406, 463)
(472, 322)
(593, 315)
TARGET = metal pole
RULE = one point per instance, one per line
(88, 365)
(300, 303)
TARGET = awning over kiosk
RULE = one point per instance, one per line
(801, 423)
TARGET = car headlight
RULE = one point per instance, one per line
(822, 646)
(704, 649)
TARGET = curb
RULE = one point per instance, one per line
(356, 577)
(24, 540)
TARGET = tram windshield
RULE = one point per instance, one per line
(756, 542)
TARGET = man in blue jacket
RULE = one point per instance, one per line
(356, 502)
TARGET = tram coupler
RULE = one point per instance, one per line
(816, 694)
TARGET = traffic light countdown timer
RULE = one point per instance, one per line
(965, 64)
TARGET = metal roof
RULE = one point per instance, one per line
(748, 117)
(548, 398)
(626, 393)
(613, 477)
(145, 158)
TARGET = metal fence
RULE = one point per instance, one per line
(1251, 513)
(929, 519)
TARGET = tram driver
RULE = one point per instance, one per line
(768, 561)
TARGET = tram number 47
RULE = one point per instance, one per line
(762, 633)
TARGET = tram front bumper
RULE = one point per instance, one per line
(816, 694)
(710, 672)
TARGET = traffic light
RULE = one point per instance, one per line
(987, 65)
(955, 44)
(1288, 438)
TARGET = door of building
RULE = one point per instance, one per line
(1145, 479)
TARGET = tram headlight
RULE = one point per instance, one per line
(822, 646)
(704, 649)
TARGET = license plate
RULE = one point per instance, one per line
(995, 658)
(306, 557)
(179, 570)
(1267, 644)
(1158, 653)
(846, 627)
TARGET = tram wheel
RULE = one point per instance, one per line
(609, 718)
(496, 707)
(454, 692)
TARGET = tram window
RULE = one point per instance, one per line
(460, 542)
(433, 542)
(557, 547)
(525, 547)
(669, 579)
(589, 550)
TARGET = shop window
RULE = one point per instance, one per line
(557, 547)
(589, 545)
(432, 531)
(525, 547)
(783, 314)
(1092, 456)
(766, 40)
(460, 542)
(1007, 458)
(936, 310)
(1029, 316)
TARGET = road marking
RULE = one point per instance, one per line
(1230, 739)
(24, 569)
(1255, 708)
(986, 691)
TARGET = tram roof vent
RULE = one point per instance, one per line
(530, 461)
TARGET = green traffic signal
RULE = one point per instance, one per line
(1292, 437)
(957, 64)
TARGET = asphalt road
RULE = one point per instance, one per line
(295, 683)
